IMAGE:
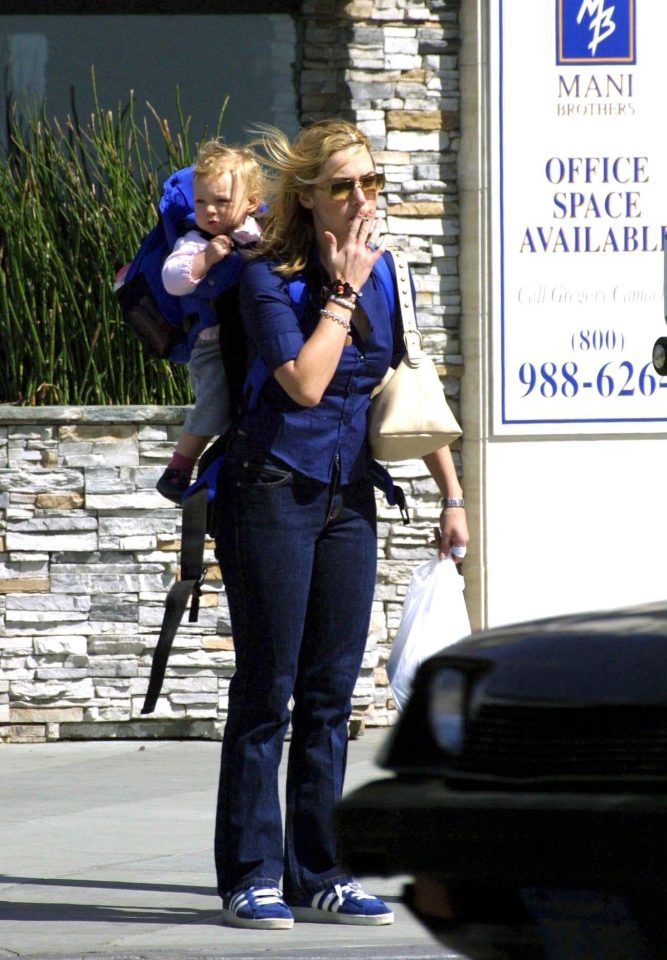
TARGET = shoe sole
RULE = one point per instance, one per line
(313, 915)
(270, 923)
(174, 497)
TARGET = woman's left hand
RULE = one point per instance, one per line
(452, 537)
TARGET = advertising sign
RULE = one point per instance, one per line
(579, 211)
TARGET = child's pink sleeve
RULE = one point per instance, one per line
(177, 268)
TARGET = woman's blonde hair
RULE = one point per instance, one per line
(288, 230)
(214, 157)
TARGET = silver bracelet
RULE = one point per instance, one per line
(342, 302)
(452, 502)
(338, 317)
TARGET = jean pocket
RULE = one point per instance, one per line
(265, 474)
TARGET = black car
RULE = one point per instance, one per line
(529, 795)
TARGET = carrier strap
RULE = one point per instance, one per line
(394, 494)
(193, 535)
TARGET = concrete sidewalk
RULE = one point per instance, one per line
(106, 852)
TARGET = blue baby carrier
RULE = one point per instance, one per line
(167, 325)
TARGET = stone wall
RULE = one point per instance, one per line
(88, 550)
(391, 66)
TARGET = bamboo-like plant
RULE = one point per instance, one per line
(75, 201)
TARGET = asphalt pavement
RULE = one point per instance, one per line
(106, 854)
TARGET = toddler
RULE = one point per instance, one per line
(227, 191)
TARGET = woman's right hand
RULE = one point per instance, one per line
(306, 377)
(354, 260)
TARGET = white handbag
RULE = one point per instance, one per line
(409, 415)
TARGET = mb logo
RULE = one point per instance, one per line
(595, 31)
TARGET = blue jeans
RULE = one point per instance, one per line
(299, 560)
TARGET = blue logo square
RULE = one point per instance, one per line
(595, 31)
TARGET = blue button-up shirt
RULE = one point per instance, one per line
(313, 440)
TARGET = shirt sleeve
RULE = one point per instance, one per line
(177, 268)
(268, 317)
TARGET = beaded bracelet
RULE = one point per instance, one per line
(337, 317)
(339, 287)
(342, 302)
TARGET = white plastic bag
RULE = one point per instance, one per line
(434, 616)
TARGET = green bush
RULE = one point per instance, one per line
(75, 201)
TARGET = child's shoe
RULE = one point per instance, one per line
(172, 484)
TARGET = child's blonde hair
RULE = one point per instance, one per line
(215, 158)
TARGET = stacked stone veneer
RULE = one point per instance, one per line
(88, 551)
(391, 66)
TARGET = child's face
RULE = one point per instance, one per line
(220, 203)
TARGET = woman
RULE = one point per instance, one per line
(297, 540)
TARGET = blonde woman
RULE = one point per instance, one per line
(297, 541)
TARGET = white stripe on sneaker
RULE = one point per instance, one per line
(331, 900)
(343, 903)
(257, 907)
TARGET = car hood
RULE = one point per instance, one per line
(613, 657)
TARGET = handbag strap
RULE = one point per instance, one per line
(411, 335)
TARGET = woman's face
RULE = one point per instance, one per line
(340, 197)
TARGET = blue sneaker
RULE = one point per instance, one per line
(343, 903)
(260, 908)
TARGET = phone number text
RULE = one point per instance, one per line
(612, 379)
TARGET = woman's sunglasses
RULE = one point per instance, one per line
(343, 189)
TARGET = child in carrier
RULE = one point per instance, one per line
(227, 190)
